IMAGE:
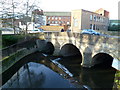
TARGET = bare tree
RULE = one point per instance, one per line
(10, 9)
(7, 13)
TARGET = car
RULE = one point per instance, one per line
(68, 30)
(90, 31)
(36, 30)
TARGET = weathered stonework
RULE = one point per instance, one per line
(89, 45)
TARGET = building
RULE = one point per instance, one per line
(102, 12)
(83, 19)
(38, 18)
(114, 25)
(58, 18)
(0, 22)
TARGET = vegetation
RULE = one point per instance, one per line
(10, 60)
(114, 28)
(114, 25)
(117, 80)
(8, 40)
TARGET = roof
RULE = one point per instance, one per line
(57, 13)
(51, 28)
(85, 11)
(88, 11)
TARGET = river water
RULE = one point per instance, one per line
(59, 72)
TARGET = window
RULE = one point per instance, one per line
(75, 22)
(56, 22)
(91, 17)
(60, 22)
(56, 18)
(68, 22)
(48, 22)
(100, 19)
(48, 18)
(68, 17)
(53, 21)
(94, 17)
(90, 26)
(97, 18)
(64, 17)
(94, 27)
(53, 18)
(60, 18)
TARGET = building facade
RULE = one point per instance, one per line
(83, 19)
(58, 18)
(38, 18)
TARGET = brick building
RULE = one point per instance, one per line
(58, 18)
(102, 12)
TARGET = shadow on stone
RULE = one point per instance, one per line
(70, 50)
(102, 60)
(49, 48)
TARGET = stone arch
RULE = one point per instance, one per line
(70, 50)
(49, 48)
(45, 47)
(102, 60)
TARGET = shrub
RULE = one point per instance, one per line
(8, 40)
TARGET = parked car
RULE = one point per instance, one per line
(36, 30)
(90, 31)
(68, 30)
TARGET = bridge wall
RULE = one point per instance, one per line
(89, 45)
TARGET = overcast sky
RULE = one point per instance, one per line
(91, 5)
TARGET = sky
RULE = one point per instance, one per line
(90, 5)
(69, 5)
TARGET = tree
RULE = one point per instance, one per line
(7, 13)
(10, 10)
(37, 16)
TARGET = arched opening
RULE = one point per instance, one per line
(102, 60)
(49, 48)
(70, 50)
(71, 58)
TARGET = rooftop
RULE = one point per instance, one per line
(57, 13)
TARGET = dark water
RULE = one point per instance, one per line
(34, 75)
(92, 78)
(54, 72)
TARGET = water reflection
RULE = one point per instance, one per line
(93, 78)
(44, 73)
(34, 75)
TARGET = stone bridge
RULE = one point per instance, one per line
(93, 49)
